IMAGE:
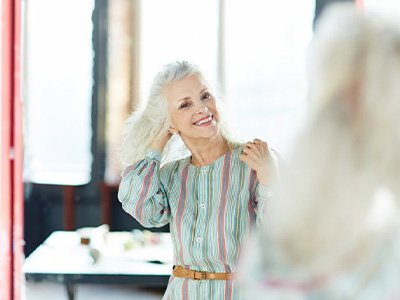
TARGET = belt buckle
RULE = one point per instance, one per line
(198, 275)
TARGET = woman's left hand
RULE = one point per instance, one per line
(257, 156)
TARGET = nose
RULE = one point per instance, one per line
(201, 107)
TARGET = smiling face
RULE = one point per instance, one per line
(192, 109)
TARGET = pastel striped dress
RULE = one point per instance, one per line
(211, 210)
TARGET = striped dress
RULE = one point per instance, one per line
(211, 209)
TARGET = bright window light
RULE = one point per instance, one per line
(264, 55)
(266, 44)
(59, 61)
(178, 30)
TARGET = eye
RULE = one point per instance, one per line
(184, 105)
(206, 96)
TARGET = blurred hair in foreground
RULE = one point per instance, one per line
(333, 232)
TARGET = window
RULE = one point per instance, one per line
(178, 30)
(58, 91)
(266, 43)
(264, 52)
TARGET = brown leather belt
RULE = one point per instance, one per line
(179, 271)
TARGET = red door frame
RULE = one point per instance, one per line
(11, 201)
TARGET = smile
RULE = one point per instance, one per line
(205, 121)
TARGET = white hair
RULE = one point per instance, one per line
(346, 155)
(144, 124)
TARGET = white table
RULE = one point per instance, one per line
(61, 258)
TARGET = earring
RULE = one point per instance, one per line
(173, 130)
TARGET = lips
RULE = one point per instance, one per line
(204, 120)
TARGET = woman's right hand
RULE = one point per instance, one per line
(161, 140)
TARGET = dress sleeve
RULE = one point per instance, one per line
(142, 194)
(263, 194)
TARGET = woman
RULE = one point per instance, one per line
(210, 198)
(334, 233)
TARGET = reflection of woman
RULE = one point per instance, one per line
(334, 234)
(209, 198)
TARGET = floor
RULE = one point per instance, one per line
(55, 291)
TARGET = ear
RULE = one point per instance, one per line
(172, 130)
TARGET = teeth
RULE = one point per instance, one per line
(204, 121)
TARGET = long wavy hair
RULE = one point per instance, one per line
(144, 124)
(341, 198)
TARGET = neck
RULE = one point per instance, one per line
(205, 152)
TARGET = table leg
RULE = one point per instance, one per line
(69, 207)
(71, 288)
(105, 204)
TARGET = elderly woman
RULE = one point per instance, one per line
(334, 231)
(210, 198)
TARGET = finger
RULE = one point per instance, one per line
(252, 153)
(260, 143)
(264, 148)
(257, 143)
(248, 160)
(253, 147)
(247, 149)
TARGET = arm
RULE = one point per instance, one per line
(142, 194)
(264, 163)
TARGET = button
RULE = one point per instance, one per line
(199, 239)
(203, 171)
(203, 205)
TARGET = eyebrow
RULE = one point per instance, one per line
(183, 99)
(187, 98)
